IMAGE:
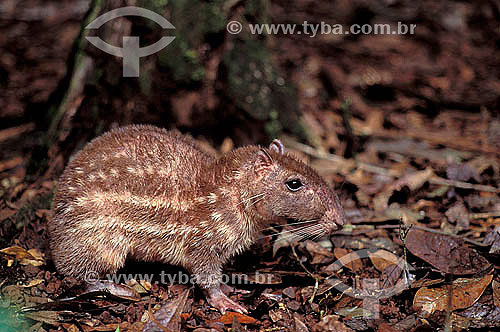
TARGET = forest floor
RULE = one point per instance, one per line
(406, 129)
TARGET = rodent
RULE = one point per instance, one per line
(153, 195)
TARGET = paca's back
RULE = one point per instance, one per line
(145, 160)
(118, 193)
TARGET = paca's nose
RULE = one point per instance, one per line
(333, 220)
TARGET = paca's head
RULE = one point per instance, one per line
(295, 191)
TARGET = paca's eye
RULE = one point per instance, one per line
(294, 185)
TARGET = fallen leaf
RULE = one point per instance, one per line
(396, 212)
(34, 282)
(283, 241)
(465, 292)
(458, 214)
(331, 323)
(299, 325)
(350, 260)
(289, 291)
(236, 326)
(493, 238)
(169, 315)
(381, 259)
(496, 292)
(25, 257)
(413, 181)
(6, 213)
(227, 318)
(70, 327)
(120, 290)
(115, 327)
(319, 254)
(276, 315)
(47, 317)
(445, 253)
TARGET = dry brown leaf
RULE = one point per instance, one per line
(466, 291)
(70, 327)
(48, 317)
(318, 253)
(458, 214)
(446, 253)
(6, 213)
(299, 325)
(169, 315)
(227, 318)
(381, 259)
(413, 180)
(120, 290)
(17, 251)
(496, 292)
(34, 282)
(350, 260)
(276, 315)
(331, 323)
(493, 239)
(25, 257)
(124, 326)
(283, 241)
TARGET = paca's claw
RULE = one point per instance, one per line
(219, 300)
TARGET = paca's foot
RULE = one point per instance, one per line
(219, 300)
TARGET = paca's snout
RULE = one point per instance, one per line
(333, 220)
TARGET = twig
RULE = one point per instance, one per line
(431, 230)
(464, 185)
(403, 233)
(5, 134)
(316, 285)
(484, 215)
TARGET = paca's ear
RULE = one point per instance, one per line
(277, 146)
(263, 161)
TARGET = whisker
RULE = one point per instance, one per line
(287, 231)
(250, 198)
(290, 237)
(313, 232)
(255, 202)
(304, 233)
(318, 236)
(294, 223)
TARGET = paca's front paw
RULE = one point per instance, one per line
(219, 300)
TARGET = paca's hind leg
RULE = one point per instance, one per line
(87, 257)
(208, 275)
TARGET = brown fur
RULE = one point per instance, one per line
(153, 195)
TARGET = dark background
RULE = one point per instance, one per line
(405, 127)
